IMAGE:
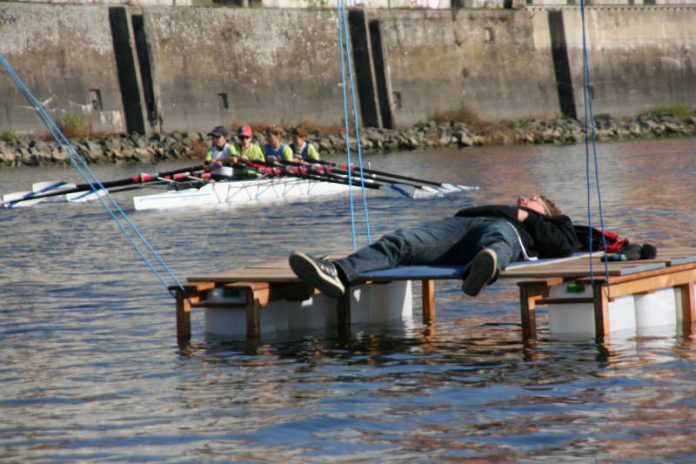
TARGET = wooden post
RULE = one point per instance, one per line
(343, 308)
(257, 298)
(601, 309)
(529, 294)
(428, 300)
(253, 316)
(183, 317)
(688, 307)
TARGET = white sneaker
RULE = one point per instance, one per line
(481, 271)
(319, 273)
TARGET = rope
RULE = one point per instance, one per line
(344, 44)
(95, 184)
(356, 122)
(591, 135)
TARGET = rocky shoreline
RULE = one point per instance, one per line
(157, 147)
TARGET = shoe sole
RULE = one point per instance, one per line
(306, 270)
(481, 272)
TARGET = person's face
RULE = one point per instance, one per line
(219, 140)
(533, 202)
(298, 140)
(244, 141)
(273, 139)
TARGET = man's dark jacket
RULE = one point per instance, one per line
(542, 236)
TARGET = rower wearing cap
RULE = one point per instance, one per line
(303, 151)
(220, 152)
(247, 151)
(275, 150)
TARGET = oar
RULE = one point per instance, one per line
(275, 170)
(11, 199)
(447, 186)
(427, 190)
(305, 173)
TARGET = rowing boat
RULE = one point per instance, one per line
(240, 193)
(290, 184)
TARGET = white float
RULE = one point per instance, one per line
(369, 304)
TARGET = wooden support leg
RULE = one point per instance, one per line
(529, 294)
(428, 300)
(688, 307)
(253, 315)
(183, 317)
(601, 310)
(343, 313)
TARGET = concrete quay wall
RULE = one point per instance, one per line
(149, 69)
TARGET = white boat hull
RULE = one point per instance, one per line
(240, 193)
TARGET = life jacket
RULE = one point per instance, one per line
(277, 153)
(215, 153)
(304, 152)
(611, 242)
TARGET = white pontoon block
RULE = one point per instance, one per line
(630, 315)
(570, 320)
(369, 304)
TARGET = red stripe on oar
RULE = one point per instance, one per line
(182, 175)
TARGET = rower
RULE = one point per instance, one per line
(219, 153)
(275, 150)
(247, 151)
(303, 151)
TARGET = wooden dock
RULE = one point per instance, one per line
(254, 288)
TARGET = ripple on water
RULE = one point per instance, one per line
(91, 370)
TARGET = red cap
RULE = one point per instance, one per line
(245, 131)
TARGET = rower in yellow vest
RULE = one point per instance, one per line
(247, 151)
(303, 151)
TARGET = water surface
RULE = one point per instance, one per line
(92, 372)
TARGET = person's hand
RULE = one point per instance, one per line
(522, 215)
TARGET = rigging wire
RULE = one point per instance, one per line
(591, 135)
(346, 62)
(356, 122)
(95, 184)
(346, 130)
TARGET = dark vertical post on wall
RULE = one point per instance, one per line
(125, 65)
(381, 79)
(365, 81)
(143, 53)
(561, 64)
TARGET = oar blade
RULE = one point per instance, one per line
(38, 189)
(409, 191)
(50, 186)
(460, 188)
(85, 197)
(18, 199)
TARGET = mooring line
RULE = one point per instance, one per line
(95, 184)
(345, 49)
(591, 134)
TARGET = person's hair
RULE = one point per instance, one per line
(550, 206)
(275, 129)
(299, 131)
